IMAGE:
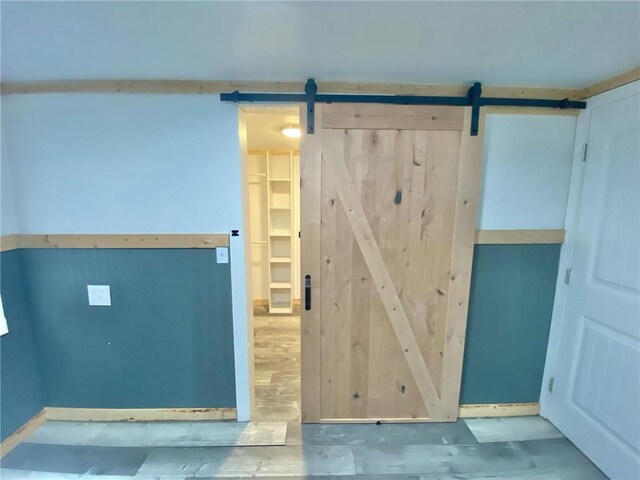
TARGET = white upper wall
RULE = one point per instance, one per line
(103, 163)
(108, 163)
(8, 224)
(559, 44)
(526, 171)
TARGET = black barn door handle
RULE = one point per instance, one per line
(307, 292)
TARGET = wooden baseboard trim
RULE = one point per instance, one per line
(519, 237)
(373, 420)
(20, 435)
(139, 414)
(499, 410)
(465, 411)
(196, 414)
(112, 415)
(170, 240)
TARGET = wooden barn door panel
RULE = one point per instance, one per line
(387, 238)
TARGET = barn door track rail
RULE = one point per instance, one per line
(474, 99)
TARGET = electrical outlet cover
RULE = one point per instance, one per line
(99, 295)
(222, 255)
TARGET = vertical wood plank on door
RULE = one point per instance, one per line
(356, 148)
(462, 259)
(393, 388)
(392, 242)
(335, 342)
(442, 161)
(380, 393)
(429, 232)
(413, 269)
(330, 325)
(310, 232)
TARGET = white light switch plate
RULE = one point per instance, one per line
(99, 295)
(222, 255)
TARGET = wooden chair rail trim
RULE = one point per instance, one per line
(13, 242)
(195, 240)
(514, 237)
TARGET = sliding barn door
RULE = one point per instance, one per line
(388, 206)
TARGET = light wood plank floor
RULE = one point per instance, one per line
(372, 452)
(517, 448)
(277, 368)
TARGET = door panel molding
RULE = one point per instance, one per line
(310, 234)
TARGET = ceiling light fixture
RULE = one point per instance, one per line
(292, 131)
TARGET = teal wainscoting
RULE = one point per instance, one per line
(512, 293)
(166, 341)
(21, 389)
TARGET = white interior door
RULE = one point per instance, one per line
(595, 399)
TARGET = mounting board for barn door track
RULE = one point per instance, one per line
(473, 99)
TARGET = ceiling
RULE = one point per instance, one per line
(263, 127)
(545, 44)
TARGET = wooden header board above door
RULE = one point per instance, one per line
(388, 207)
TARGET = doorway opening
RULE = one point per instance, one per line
(273, 177)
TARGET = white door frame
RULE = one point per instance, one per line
(571, 221)
(241, 276)
(241, 283)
